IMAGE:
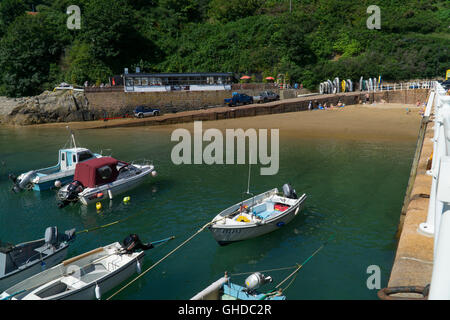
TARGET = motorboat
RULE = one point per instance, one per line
(257, 215)
(84, 277)
(103, 178)
(224, 289)
(23, 260)
(55, 176)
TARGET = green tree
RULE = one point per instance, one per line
(26, 52)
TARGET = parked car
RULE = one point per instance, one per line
(266, 96)
(144, 111)
(238, 98)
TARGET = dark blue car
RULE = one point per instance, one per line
(238, 98)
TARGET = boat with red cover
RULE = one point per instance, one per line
(103, 178)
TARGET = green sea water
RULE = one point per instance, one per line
(355, 190)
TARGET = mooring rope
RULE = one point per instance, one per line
(161, 260)
(261, 271)
(170, 253)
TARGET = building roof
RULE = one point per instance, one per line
(168, 75)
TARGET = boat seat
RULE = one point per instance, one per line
(259, 208)
(93, 272)
(45, 250)
(264, 210)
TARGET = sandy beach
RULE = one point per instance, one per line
(396, 122)
(387, 122)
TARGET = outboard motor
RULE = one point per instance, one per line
(53, 237)
(255, 281)
(289, 192)
(73, 189)
(132, 243)
(23, 181)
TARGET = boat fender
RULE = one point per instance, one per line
(154, 173)
(98, 205)
(126, 199)
(98, 293)
(58, 184)
(110, 195)
(296, 211)
(138, 267)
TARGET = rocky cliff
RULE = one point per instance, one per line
(57, 106)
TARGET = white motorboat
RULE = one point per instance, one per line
(57, 175)
(103, 178)
(84, 277)
(256, 216)
(18, 262)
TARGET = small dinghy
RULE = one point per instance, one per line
(51, 177)
(18, 262)
(103, 178)
(256, 216)
(224, 289)
(84, 277)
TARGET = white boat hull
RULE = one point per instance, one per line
(105, 285)
(84, 277)
(90, 195)
(225, 234)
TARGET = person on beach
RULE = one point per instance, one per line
(310, 106)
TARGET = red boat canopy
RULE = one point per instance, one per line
(96, 172)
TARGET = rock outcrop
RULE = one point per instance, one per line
(56, 106)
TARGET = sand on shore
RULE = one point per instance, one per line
(387, 122)
(395, 122)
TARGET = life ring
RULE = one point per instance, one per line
(242, 219)
(385, 293)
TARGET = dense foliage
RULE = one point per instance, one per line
(314, 41)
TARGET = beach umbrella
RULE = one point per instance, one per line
(245, 77)
(270, 78)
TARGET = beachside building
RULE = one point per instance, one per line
(153, 82)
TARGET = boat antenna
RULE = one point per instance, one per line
(72, 138)
(249, 169)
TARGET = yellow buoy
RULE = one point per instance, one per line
(98, 205)
(126, 199)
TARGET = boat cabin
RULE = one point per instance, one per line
(98, 171)
(68, 158)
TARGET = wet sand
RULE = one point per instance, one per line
(396, 122)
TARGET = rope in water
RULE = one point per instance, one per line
(306, 261)
(295, 272)
(169, 254)
(261, 271)
(159, 261)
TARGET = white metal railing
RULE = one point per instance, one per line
(437, 224)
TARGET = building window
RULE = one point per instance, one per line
(137, 81)
(129, 82)
(144, 82)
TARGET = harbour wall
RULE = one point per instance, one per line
(116, 104)
(413, 263)
(281, 106)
